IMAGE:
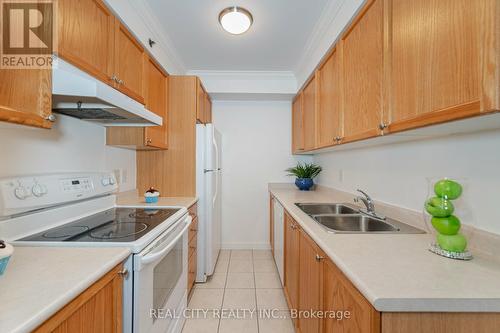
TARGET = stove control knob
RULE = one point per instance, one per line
(105, 181)
(21, 193)
(39, 190)
(112, 181)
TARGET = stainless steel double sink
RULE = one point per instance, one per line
(347, 219)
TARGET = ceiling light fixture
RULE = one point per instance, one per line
(235, 20)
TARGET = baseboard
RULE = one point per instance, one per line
(245, 246)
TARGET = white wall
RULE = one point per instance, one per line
(71, 145)
(397, 173)
(256, 149)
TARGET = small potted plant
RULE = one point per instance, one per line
(305, 174)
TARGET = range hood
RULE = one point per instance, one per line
(79, 95)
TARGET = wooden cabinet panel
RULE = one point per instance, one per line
(340, 295)
(130, 64)
(362, 48)
(200, 103)
(297, 124)
(309, 109)
(436, 61)
(310, 281)
(329, 115)
(98, 309)
(86, 36)
(439, 322)
(156, 136)
(27, 98)
(291, 287)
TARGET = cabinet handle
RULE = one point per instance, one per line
(382, 126)
(339, 139)
(120, 81)
(124, 273)
(114, 78)
(293, 226)
(151, 42)
(148, 141)
(319, 258)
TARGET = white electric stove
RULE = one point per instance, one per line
(79, 209)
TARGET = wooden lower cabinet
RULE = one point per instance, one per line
(97, 310)
(341, 298)
(192, 248)
(291, 259)
(310, 283)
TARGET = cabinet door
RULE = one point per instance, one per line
(340, 295)
(207, 109)
(130, 64)
(297, 124)
(97, 309)
(436, 61)
(310, 282)
(156, 136)
(86, 36)
(291, 287)
(362, 57)
(27, 98)
(329, 115)
(200, 103)
(310, 115)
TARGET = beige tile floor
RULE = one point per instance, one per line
(245, 284)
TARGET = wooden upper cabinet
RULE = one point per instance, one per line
(157, 136)
(440, 61)
(26, 96)
(208, 109)
(200, 102)
(130, 64)
(329, 115)
(310, 282)
(94, 40)
(291, 254)
(309, 109)
(362, 47)
(86, 32)
(297, 124)
(340, 294)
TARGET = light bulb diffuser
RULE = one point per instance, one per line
(235, 20)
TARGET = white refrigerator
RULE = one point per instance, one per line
(208, 191)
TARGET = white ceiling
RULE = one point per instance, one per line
(275, 42)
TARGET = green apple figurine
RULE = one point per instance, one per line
(448, 189)
(449, 225)
(439, 207)
(453, 243)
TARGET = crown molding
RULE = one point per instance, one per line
(333, 20)
(248, 85)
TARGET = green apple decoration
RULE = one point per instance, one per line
(452, 243)
(446, 225)
(444, 222)
(439, 207)
(448, 189)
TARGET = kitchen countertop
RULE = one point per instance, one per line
(39, 281)
(396, 272)
(132, 198)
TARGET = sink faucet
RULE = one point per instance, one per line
(370, 207)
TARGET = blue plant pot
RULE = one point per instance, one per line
(304, 184)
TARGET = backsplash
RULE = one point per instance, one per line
(397, 173)
(71, 145)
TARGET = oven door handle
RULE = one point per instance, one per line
(156, 255)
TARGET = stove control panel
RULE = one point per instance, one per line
(26, 193)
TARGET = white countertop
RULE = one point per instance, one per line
(39, 281)
(396, 272)
(132, 198)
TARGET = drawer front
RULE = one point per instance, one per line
(193, 229)
(191, 271)
(193, 210)
(192, 245)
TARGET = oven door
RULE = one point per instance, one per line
(160, 281)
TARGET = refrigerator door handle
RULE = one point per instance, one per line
(216, 148)
(209, 170)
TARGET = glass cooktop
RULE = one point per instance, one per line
(113, 225)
